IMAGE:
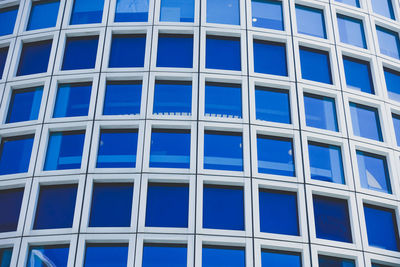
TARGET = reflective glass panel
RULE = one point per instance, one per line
(177, 10)
(267, 14)
(172, 98)
(43, 14)
(7, 20)
(272, 105)
(80, 53)
(358, 75)
(122, 98)
(275, 258)
(86, 12)
(320, 112)
(223, 100)
(355, 3)
(315, 65)
(270, 58)
(49, 255)
(365, 121)
(5, 257)
(34, 57)
(72, 100)
(223, 53)
(213, 256)
(310, 21)
(327, 261)
(383, 7)
(131, 11)
(389, 43)
(223, 11)
(102, 255)
(175, 50)
(3, 58)
(127, 51)
(10, 207)
(15, 154)
(24, 104)
(351, 31)
(392, 79)
(155, 255)
(396, 125)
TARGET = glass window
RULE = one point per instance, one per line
(3, 58)
(223, 151)
(170, 148)
(365, 122)
(177, 10)
(24, 104)
(327, 261)
(86, 12)
(11, 200)
(175, 50)
(122, 98)
(72, 100)
(223, 99)
(114, 254)
(131, 11)
(127, 50)
(43, 14)
(320, 112)
(57, 255)
(164, 255)
(380, 265)
(332, 219)
(326, 162)
(355, 3)
(373, 172)
(382, 228)
(396, 124)
(383, 7)
(80, 53)
(272, 105)
(223, 11)
(55, 207)
(172, 98)
(275, 155)
(267, 14)
(111, 205)
(167, 205)
(7, 20)
(358, 75)
(351, 31)
(34, 57)
(273, 258)
(117, 148)
(310, 21)
(5, 257)
(315, 65)
(223, 52)
(15, 154)
(389, 43)
(223, 256)
(270, 58)
(392, 79)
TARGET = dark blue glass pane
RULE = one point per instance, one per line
(278, 212)
(171, 255)
(5, 257)
(392, 79)
(272, 105)
(102, 255)
(389, 43)
(383, 7)
(34, 57)
(55, 207)
(167, 205)
(3, 58)
(222, 99)
(380, 265)
(275, 155)
(127, 51)
(223, 11)
(332, 219)
(320, 112)
(10, 207)
(15, 154)
(365, 121)
(175, 51)
(85, 12)
(111, 205)
(228, 214)
(223, 151)
(131, 11)
(351, 31)
(267, 14)
(117, 149)
(48, 256)
(373, 172)
(213, 256)
(170, 148)
(270, 58)
(43, 15)
(223, 53)
(358, 75)
(177, 10)
(272, 258)
(381, 227)
(396, 125)
(310, 21)
(24, 104)
(355, 3)
(72, 100)
(7, 20)
(172, 98)
(80, 53)
(122, 98)
(315, 65)
(326, 261)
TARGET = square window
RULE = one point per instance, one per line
(354, 3)
(43, 14)
(34, 57)
(351, 31)
(128, 11)
(72, 100)
(164, 255)
(175, 50)
(327, 261)
(170, 148)
(267, 14)
(122, 98)
(80, 53)
(270, 58)
(280, 258)
(275, 155)
(223, 11)
(223, 256)
(315, 65)
(320, 112)
(177, 10)
(42, 255)
(15, 154)
(55, 207)
(223, 151)
(111, 205)
(127, 51)
(114, 254)
(358, 75)
(389, 43)
(5, 257)
(392, 79)
(383, 7)
(365, 122)
(24, 104)
(272, 105)
(332, 219)
(117, 148)
(310, 21)
(87, 12)
(11, 201)
(3, 58)
(223, 53)
(396, 125)
(7, 20)
(172, 98)
(167, 205)
(222, 100)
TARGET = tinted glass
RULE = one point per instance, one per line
(15, 154)
(355, 3)
(84, 12)
(351, 31)
(383, 7)
(223, 11)
(177, 10)
(315, 65)
(24, 104)
(310, 21)
(155, 255)
(272, 105)
(396, 125)
(223, 53)
(57, 255)
(270, 58)
(122, 98)
(326, 261)
(43, 15)
(365, 121)
(320, 112)
(80, 53)
(175, 51)
(127, 51)
(34, 58)
(267, 14)
(172, 98)
(72, 100)
(7, 20)
(102, 255)
(5, 257)
(3, 58)
(223, 256)
(131, 11)
(358, 75)
(379, 265)
(10, 208)
(274, 258)
(389, 43)
(392, 79)
(223, 100)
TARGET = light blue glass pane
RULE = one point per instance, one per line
(43, 15)
(365, 121)
(373, 172)
(355, 3)
(7, 20)
(223, 11)
(383, 7)
(24, 104)
(389, 43)
(325, 261)
(392, 79)
(320, 112)
(43, 256)
(72, 100)
(15, 154)
(175, 51)
(177, 10)
(315, 65)
(34, 57)
(11, 200)
(122, 98)
(351, 31)
(270, 58)
(131, 10)
(3, 58)
(396, 125)
(80, 53)
(213, 256)
(223, 100)
(5, 257)
(272, 105)
(267, 14)
(171, 255)
(86, 12)
(127, 51)
(272, 258)
(223, 53)
(310, 21)
(172, 98)
(102, 255)
(358, 75)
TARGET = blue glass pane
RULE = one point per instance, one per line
(223, 11)
(326, 261)
(5, 257)
(54, 255)
(373, 172)
(175, 51)
(34, 58)
(382, 229)
(332, 219)
(172, 98)
(85, 12)
(326, 162)
(127, 51)
(213, 256)
(396, 125)
(355, 3)
(177, 10)
(43, 15)
(7, 20)
(278, 212)
(229, 213)
(117, 149)
(389, 43)
(131, 11)
(24, 104)
(167, 205)
(270, 58)
(171, 255)
(170, 148)
(72, 100)
(320, 112)
(102, 255)
(55, 207)
(111, 205)
(15, 154)
(392, 79)
(275, 155)
(358, 75)
(267, 14)
(223, 99)
(272, 105)
(351, 31)
(272, 258)
(383, 7)
(315, 65)
(380, 265)
(3, 58)
(223, 53)
(310, 21)
(122, 98)
(80, 53)
(365, 121)
(10, 208)
(223, 151)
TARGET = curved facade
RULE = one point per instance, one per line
(200, 133)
